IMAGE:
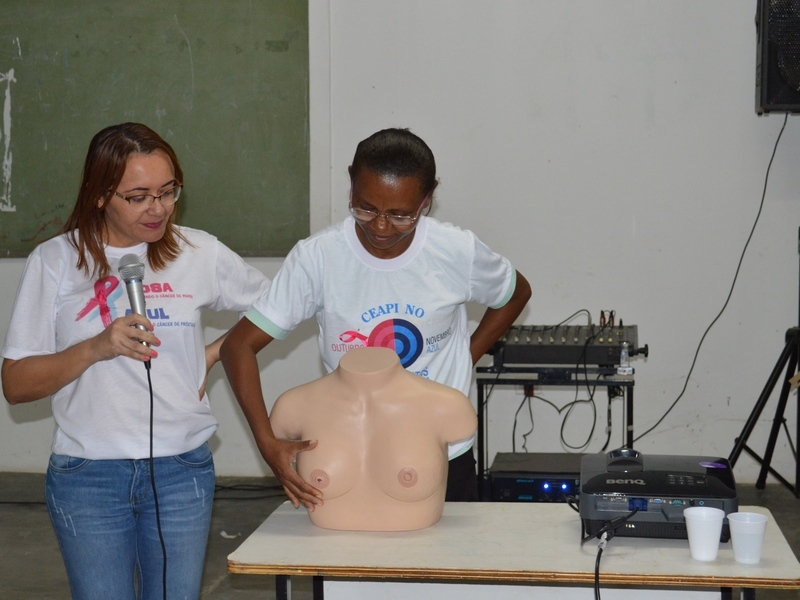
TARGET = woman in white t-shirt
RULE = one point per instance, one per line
(130, 481)
(386, 276)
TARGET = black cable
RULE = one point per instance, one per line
(573, 502)
(611, 396)
(485, 418)
(568, 407)
(601, 546)
(590, 389)
(153, 485)
(525, 435)
(530, 431)
(575, 314)
(733, 285)
(610, 527)
(605, 533)
(582, 360)
(571, 406)
(591, 386)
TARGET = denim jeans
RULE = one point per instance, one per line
(104, 515)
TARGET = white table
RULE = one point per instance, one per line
(501, 545)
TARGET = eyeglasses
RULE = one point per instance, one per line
(399, 221)
(142, 202)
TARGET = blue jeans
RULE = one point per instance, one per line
(104, 515)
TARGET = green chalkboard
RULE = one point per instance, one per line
(224, 82)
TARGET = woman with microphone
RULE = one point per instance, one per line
(130, 481)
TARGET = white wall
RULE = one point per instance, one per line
(611, 150)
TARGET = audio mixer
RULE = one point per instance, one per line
(570, 345)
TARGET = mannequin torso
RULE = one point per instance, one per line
(383, 432)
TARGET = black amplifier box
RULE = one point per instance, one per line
(535, 476)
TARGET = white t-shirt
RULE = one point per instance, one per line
(105, 413)
(414, 303)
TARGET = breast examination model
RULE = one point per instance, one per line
(383, 434)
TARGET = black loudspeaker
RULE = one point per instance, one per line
(778, 56)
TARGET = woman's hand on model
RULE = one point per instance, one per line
(280, 458)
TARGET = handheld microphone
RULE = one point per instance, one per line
(131, 269)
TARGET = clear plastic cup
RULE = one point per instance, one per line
(747, 535)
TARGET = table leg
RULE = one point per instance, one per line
(318, 589)
(283, 587)
(726, 593)
(481, 441)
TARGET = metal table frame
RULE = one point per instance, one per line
(538, 377)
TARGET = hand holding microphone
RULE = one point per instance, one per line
(131, 270)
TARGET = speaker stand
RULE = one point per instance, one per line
(790, 360)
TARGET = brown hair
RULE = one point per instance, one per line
(104, 168)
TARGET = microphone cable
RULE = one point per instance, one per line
(153, 485)
(131, 270)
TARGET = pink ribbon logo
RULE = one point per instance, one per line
(352, 336)
(102, 289)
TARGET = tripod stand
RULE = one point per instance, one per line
(790, 360)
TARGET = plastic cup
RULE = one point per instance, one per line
(703, 528)
(747, 535)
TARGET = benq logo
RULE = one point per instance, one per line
(625, 481)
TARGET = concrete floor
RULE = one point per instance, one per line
(32, 567)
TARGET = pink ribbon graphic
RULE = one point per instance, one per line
(102, 289)
(351, 336)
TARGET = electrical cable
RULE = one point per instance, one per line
(604, 534)
(591, 386)
(600, 547)
(525, 435)
(568, 407)
(573, 503)
(153, 485)
(730, 292)
(610, 527)
(608, 421)
(575, 314)
(530, 431)
(485, 414)
(590, 389)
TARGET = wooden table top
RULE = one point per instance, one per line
(502, 542)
